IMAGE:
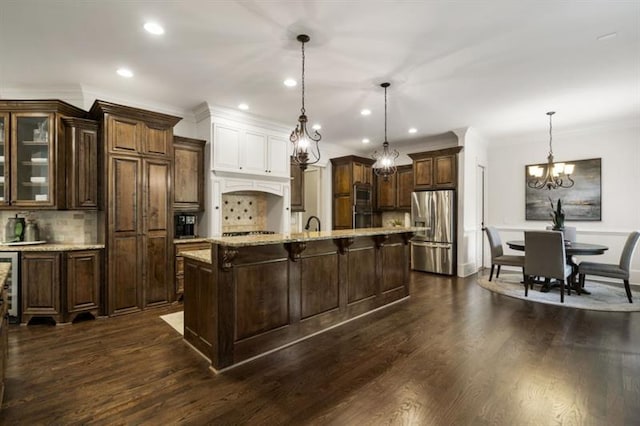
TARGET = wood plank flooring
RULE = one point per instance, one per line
(454, 353)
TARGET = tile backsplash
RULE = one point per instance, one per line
(244, 211)
(59, 226)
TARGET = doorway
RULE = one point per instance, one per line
(312, 196)
(480, 216)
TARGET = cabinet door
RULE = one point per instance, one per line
(404, 187)
(342, 179)
(342, 212)
(358, 173)
(4, 159)
(445, 171)
(226, 148)
(40, 285)
(83, 282)
(82, 164)
(32, 159)
(278, 156)
(157, 250)
(188, 174)
(158, 141)
(297, 188)
(124, 135)
(423, 173)
(386, 196)
(253, 156)
(124, 259)
(367, 174)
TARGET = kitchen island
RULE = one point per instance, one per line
(250, 295)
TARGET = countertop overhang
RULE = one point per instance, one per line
(258, 240)
(51, 247)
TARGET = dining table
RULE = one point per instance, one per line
(571, 249)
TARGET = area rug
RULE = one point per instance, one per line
(175, 320)
(603, 297)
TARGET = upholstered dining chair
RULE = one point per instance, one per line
(497, 254)
(620, 271)
(544, 256)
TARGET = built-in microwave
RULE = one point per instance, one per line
(362, 195)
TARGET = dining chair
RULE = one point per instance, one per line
(497, 254)
(620, 271)
(544, 256)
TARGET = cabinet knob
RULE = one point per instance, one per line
(287, 208)
(217, 207)
(240, 167)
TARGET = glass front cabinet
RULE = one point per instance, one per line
(32, 153)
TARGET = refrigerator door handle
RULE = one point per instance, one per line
(431, 245)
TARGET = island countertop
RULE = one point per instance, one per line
(258, 240)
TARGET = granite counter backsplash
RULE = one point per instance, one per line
(60, 226)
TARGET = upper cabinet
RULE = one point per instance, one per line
(346, 172)
(436, 169)
(188, 174)
(34, 164)
(81, 138)
(395, 192)
(244, 149)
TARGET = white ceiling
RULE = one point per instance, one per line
(495, 65)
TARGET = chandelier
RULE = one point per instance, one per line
(554, 175)
(385, 161)
(305, 145)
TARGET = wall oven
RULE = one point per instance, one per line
(362, 206)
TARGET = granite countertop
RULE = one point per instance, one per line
(191, 240)
(51, 247)
(258, 240)
(199, 255)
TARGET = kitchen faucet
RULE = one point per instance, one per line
(309, 221)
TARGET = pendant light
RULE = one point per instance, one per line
(555, 175)
(305, 145)
(385, 164)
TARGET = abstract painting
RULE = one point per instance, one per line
(581, 202)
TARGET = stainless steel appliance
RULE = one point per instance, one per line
(362, 206)
(185, 225)
(12, 284)
(434, 249)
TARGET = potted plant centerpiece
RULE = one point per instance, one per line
(557, 215)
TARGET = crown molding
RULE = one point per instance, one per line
(205, 111)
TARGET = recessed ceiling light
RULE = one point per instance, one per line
(365, 140)
(124, 72)
(365, 112)
(606, 36)
(154, 28)
(243, 107)
(413, 130)
(290, 82)
(316, 127)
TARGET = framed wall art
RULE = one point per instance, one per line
(581, 202)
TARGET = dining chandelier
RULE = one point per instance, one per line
(305, 145)
(385, 161)
(554, 175)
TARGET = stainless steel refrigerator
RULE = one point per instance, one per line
(434, 249)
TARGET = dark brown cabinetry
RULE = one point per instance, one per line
(40, 285)
(395, 192)
(346, 172)
(297, 188)
(4, 339)
(33, 166)
(60, 285)
(188, 157)
(436, 169)
(83, 273)
(179, 249)
(138, 222)
(82, 163)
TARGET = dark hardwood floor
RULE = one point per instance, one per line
(454, 353)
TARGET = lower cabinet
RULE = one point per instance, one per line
(4, 352)
(60, 285)
(179, 249)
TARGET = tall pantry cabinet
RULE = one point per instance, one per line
(137, 217)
